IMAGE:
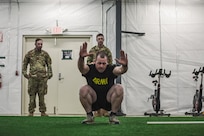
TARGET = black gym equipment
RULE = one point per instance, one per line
(197, 98)
(156, 96)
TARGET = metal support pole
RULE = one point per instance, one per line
(118, 32)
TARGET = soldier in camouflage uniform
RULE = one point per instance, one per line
(94, 50)
(40, 71)
(99, 47)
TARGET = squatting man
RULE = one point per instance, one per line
(101, 91)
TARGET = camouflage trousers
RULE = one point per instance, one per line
(37, 86)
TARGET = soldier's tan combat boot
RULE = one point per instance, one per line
(43, 114)
(30, 114)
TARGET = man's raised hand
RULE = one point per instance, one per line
(123, 60)
(83, 50)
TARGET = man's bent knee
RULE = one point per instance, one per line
(118, 89)
(84, 90)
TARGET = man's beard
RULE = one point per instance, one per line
(38, 49)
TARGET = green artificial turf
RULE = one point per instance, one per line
(71, 126)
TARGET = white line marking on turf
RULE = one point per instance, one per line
(175, 122)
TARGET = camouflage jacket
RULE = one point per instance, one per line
(38, 61)
(96, 49)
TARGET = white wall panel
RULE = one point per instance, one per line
(182, 38)
(182, 50)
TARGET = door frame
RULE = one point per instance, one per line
(24, 37)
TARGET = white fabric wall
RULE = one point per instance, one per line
(182, 38)
(182, 35)
(34, 17)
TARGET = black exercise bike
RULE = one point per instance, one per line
(156, 96)
(197, 98)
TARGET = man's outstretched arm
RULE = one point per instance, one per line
(83, 68)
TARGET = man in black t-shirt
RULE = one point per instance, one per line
(101, 91)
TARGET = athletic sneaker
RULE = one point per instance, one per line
(113, 120)
(89, 120)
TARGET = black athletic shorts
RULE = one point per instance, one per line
(101, 102)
